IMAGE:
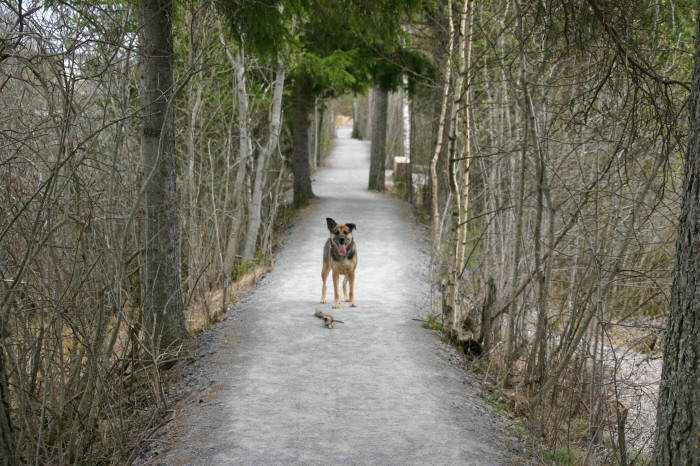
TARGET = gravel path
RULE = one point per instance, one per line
(272, 385)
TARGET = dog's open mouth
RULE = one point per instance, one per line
(341, 250)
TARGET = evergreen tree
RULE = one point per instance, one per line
(163, 316)
(340, 48)
(678, 412)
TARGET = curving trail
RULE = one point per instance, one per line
(278, 387)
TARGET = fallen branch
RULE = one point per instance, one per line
(328, 318)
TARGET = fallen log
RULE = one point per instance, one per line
(328, 318)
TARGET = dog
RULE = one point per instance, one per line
(340, 256)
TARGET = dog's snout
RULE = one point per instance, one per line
(341, 240)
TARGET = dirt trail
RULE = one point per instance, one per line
(273, 385)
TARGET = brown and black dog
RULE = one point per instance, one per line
(340, 255)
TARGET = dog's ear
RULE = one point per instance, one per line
(351, 226)
(331, 223)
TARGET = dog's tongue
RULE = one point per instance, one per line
(341, 250)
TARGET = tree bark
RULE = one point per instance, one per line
(355, 116)
(300, 141)
(441, 122)
(245, 149)
(511, 345)
(256, 205)
(192, 246)
(444, 42)
(318, 133)
(377, 165)
(162, 301)
(8, 451)
(467, 26)
(536, 361)
(461, 196)
(485, 336)
(678, 411)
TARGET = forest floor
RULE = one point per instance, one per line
(272, 385)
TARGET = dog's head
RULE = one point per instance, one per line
(341, 235)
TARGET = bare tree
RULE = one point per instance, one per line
(7, 440)
(435, 212)
(262, 164)
(568, 209)
(459, 185)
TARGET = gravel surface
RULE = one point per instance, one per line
(272, 385)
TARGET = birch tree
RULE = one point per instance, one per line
(435, 209)
(459, 185)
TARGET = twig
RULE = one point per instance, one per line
(328, 318)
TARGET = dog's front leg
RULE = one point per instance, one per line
(351, 278)
(336, 279)
(324, 275)
(345, 288)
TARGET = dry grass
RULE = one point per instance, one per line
(208, 310)
(211, 392)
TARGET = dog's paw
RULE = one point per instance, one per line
(336, 305)
(353, 304)
(323, 301)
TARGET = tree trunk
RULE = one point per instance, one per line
(441, 122)
(300, 141)
(313, 147)
(377, 165)
(461, 196)
(8, 451)
(355, 116)
(465, 99)
(485, 336)
(275, 116)
(244, 152)
(678, 412)
(511, 346)
(318, 134)
(444, 42)
(192, 247)
(162, 302)
(536, 361)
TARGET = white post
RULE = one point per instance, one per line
(406, 117)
